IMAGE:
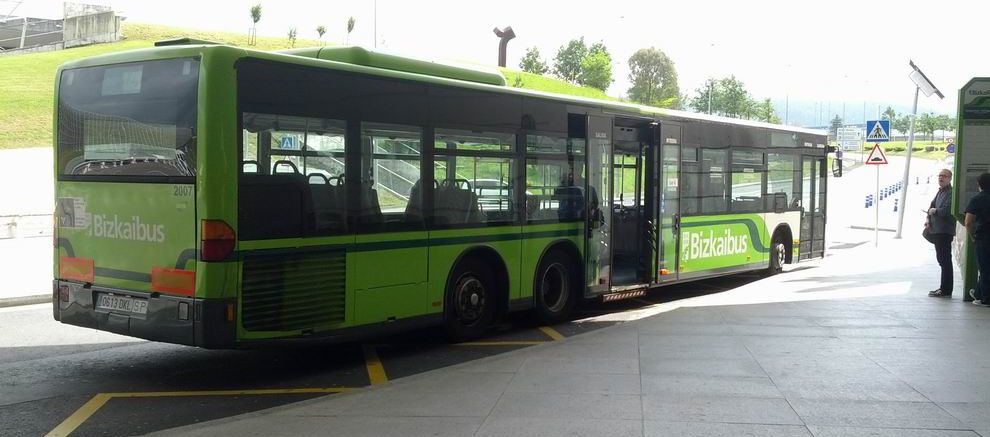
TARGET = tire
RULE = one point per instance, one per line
(554, 286)
(470, 301)
(778, 253)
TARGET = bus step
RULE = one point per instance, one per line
(620, 295)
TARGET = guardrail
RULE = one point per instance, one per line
(25, 226)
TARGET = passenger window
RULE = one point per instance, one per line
(782, 179)
(292, 176)
(712, 181)
(554, 178)
(472, 187)
(391, 162)
(748, 173)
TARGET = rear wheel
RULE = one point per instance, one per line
(553, 288)
(778, 253)
(470, 301)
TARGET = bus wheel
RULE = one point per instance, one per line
(778, 252)
(470, 300)
(553, 288)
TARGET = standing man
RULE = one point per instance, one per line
(978, 227)
(942, 228)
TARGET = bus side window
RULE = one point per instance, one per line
(391, 163)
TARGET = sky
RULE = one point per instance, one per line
(839, 57)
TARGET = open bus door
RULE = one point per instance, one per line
(669, 143)
(598, 243)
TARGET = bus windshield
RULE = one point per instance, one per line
(135, 119)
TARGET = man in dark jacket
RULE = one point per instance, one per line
(943, 228)
(978, 226)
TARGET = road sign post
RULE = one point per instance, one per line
(876, 158)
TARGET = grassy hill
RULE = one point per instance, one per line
(26, 103)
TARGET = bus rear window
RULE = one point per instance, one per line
(129, 120)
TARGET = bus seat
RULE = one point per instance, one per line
(274, 206)
(250, 162)
(371, 210)
(284, 162)
(570, 201)
(327, 215)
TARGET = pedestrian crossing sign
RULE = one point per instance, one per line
(878, 131)
(876, 156)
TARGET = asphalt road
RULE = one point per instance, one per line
(55, 377)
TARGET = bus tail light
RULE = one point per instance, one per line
(217, 240)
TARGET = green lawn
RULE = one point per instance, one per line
(899, 148)
(29, 80)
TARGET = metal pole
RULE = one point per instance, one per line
(907, 164)
(876, 217)
(24, 32)
(709, 97)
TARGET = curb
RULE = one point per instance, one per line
(25, 300)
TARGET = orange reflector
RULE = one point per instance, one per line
(664, 272)
(230, 312)
(79, 269)
(216, 230)
(173, 281)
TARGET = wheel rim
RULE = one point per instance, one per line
(553, 287)
(778, 262)
(469, 299)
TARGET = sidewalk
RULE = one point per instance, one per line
(845, 346)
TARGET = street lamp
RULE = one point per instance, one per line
(924, 85)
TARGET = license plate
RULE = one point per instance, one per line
(121, 304)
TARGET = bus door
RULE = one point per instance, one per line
(633, 249)
(669, 220)
(812, 207)
(598, 245)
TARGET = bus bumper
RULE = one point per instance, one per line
(171, 319)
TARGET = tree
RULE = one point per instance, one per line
(255, 18)
(320, 30)
(764, 111)
(533, 63)
(835, 125)
(901, 123)
(927, 124)
(653, 78)
(292, 37)
(732, 97)
(350, 27)
(596, 68)
(704, 100)
(889, 114)
(567, 63)
(944, 123)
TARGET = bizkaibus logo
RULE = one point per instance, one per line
(134, 230)
(699, 245)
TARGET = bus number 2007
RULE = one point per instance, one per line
(183, 190)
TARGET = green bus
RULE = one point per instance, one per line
(223, 197)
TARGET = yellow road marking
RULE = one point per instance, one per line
(550, 332)
(81, 415)
(499, 343)
(89, 408)
(376, 372)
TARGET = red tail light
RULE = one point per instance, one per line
(216, 241)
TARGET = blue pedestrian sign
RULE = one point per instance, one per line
(878, 131)
(951, 148)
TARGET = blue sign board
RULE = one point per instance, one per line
(951, 148)
(878, 131)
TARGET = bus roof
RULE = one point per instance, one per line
(366, 61)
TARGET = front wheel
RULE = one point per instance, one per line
(470, 301)
(554, 288)
(778, 253)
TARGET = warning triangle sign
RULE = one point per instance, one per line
(876, 155)
(877, 133)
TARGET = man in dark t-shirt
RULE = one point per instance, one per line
(978, 226)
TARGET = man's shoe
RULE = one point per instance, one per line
(940, 293)
(934, 293)
(977, 302)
